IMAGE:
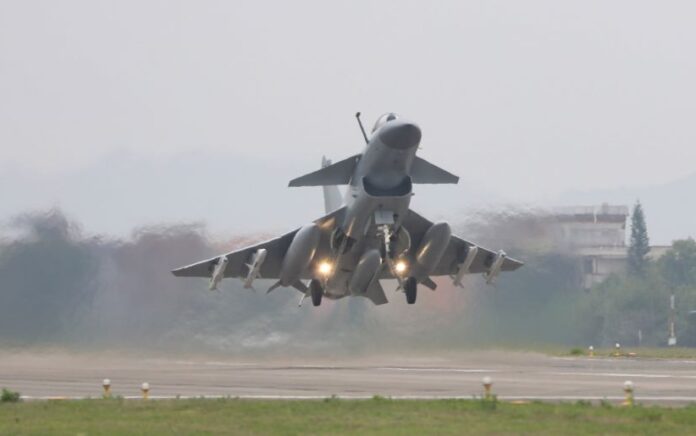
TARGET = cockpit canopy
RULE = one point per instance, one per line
(384, 119)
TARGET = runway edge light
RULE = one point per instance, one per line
(628, 390)
(106, 384)
(487, 385)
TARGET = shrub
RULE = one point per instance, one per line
(9, 396)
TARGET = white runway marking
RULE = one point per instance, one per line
(473, 371)
(214, 363)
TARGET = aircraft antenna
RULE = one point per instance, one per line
(362, 129)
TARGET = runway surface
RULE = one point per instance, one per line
(516, 376)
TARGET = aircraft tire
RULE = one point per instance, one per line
(316, 291)
(411, 289)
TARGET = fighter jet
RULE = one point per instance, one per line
(371, 235)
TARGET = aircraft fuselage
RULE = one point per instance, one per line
(381, 181)
(379, 194)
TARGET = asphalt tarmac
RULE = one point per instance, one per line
(515, 376)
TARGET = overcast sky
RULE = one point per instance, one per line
(524, 100)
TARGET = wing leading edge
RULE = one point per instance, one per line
(238, 260)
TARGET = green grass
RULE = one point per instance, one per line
(334, 416)
(644, 352)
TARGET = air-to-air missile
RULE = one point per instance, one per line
(255, 267)
(218, 272)
(463, 268)
(496, 265)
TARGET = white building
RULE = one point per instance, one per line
(598, 235)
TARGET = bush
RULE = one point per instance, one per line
(9, 396)
(576, 352)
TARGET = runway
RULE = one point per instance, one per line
(516, 376)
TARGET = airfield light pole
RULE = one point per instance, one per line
(672, 341)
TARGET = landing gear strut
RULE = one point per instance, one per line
(411, 289)
(385, 232)
(317, 291)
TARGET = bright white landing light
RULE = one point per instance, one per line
(325, 268)
(400, 267)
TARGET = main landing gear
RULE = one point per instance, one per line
(411, 289)
(316, 291)
(410, 284)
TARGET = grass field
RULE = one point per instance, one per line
(333, 416)
(643, 352)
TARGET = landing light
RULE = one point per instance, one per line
(325, 268)
(400, 267)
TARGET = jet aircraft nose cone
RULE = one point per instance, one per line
(400, 135)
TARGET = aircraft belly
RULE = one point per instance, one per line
(337, 287)
(359, 221)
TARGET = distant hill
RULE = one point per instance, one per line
(232, 194)
(118, 193)
(235, 194)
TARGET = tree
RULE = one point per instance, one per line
(678, 265)
(639, 246)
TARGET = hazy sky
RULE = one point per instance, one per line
(523, 99)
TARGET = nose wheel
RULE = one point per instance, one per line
(411, 289)
(317, 291)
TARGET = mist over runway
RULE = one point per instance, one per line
(515, 375)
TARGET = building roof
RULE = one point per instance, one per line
(601, 213)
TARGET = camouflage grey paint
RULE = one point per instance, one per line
(351, 238)
(384, 170)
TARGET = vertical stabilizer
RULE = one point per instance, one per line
(332, 195)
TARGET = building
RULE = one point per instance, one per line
(598, 235)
